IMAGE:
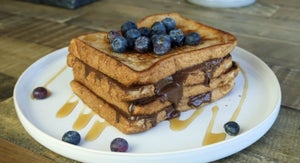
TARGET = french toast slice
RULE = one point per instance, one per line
(102, 83)
(132, 68)
(110, 91)
(139, 123)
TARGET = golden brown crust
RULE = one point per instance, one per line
(132, 68)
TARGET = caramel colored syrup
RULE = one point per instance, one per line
(67, 108)
(82, 120)
(210, 137)
(239, 107)
(55, 76)
(96, 130)
(176, 124)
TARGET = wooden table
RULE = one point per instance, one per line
(270, 29)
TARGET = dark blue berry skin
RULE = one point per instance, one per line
(119, 44)
(112, 35)
(142, 44)
(72, 137)
(127, 26)
(169, 23)
(232, 128)
(177, 37)
(145, 31)
(158, 28)
(119, 145)
(131, 36)
(192, 39)
(40, 93)
(161, 44)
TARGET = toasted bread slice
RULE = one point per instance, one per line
(135, 124)
(102, 83)
(113, 94)
(133, 69)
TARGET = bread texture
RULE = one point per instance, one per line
(135, 124)
(132, 68)
(134, 91)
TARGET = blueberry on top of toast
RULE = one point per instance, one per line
(165, 30)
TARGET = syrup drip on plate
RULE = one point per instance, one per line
(55, 76)
(238, 109)
(83, 119)
(176, 124)
(96, 130)
(211, 137)
(67, 108)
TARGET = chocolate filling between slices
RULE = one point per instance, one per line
(168, 89)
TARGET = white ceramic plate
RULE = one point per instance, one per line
(258, 112)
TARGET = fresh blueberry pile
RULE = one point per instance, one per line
(159, 38)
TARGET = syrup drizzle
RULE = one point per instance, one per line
(82, 120)
(211, 137)
(96, 130)
(244, 94)
(67, 108)
(176, 124)
(55, 76)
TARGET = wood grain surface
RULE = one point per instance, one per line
(270, 29)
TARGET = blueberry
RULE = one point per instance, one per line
(119, 44)
(232, 128)
(169, 23)
(111, 35)
(142, 44)
(161, 44)
(145, 31)
(192, 38)
(72, 137)
(131, 35)
(127, 26)
(119, 145)
(40, 93)
(177, 37)
(158, 28)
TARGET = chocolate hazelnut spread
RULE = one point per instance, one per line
(169, 89)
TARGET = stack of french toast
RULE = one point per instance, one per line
(134, 92)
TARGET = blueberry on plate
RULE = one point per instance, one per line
(142, 44)
(40, 93)
(111, 35)
(161, 44)
(158, 28)
(192, 38)
(177, 37)
(72, 137)
(119, 145)
(127, 26)
(232, 128)
(119, 44)
(169, 23)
